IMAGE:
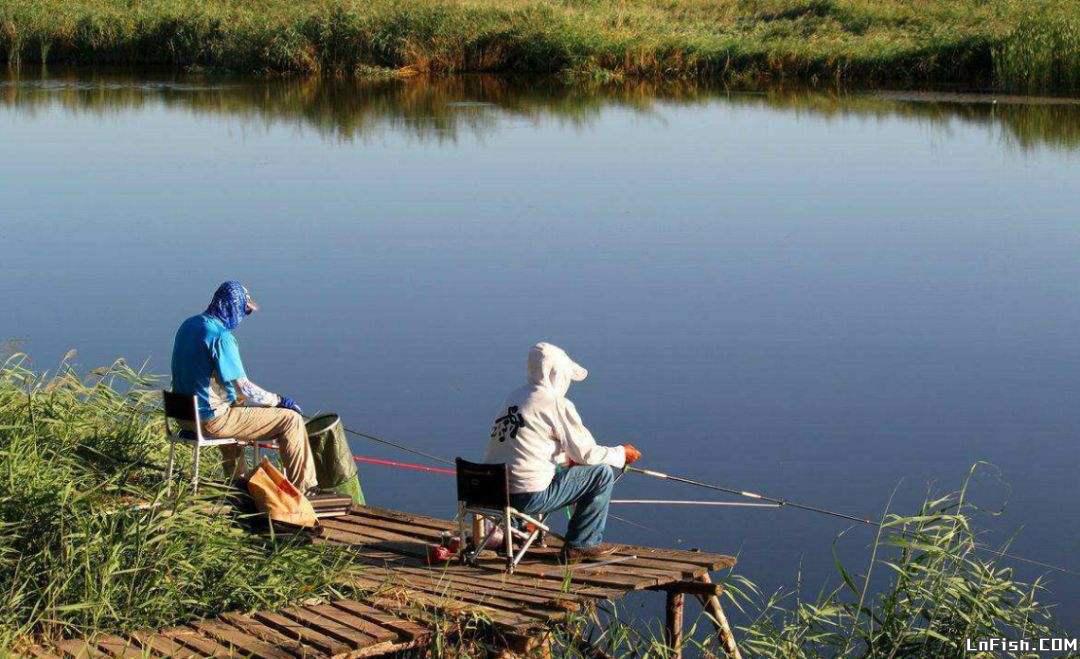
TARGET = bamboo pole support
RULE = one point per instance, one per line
(673, 625)
(723, 629)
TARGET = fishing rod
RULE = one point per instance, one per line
(779, 503)
(775, 502)
(685, 502)
(771, 502)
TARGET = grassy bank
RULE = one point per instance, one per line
(89, 543)
(1013, 44)
(81, 552)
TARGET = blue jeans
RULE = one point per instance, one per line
(589, 487)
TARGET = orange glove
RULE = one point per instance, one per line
(632, 454)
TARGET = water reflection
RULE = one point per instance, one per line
(443, 109)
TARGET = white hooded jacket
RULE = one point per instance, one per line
(538, 428)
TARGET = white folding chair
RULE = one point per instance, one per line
(484, 489)
(179, 407)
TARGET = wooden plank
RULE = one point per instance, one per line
(605, 588)
(294, 630)
(160, 644)
(476, 595)
(403, 626)
(518, 592)
(364, 541)
(355, 639)
(339, 524)
(699, 588)
(114, 646)
(423, 533)
(195, 640)
(244, 644)
(403, 517)
(381, 528)
(642, 578)
(377, 527)
(269, 635)
(405, 599)
(40, 652)
(77, 648)
(665, 568)
(369, 542)
(542, 603)
(378, 633)
(539, 585)
(708, 560)
(603, 575)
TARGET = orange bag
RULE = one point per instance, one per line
(277, 497)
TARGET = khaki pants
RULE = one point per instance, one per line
(252, 424)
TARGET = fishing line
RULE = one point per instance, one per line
(402, 447)
(778, 503)
(685, 502)
(771, 502)
(749, 495)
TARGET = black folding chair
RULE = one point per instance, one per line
(484, 490)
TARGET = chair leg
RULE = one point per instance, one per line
(461, 528)
(525, 546)
(169, 471)
(509, 533)
(195, 476)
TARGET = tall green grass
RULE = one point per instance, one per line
(938, 587)
(1016, 44)
(88, 542)
(925, 586)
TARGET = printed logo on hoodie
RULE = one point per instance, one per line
(507, 426)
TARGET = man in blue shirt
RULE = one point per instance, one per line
(206, 364)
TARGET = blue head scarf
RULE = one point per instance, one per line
(229, 304)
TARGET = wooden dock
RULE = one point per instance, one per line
(406, 597)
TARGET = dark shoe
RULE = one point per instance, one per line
(576, 554)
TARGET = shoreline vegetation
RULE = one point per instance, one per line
(90, 544)
(1010, 45)
(444, 108)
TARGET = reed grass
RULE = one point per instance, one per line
(1014, 44)
(89, 544)
(939, 589)
(88, 541)
(926, 586)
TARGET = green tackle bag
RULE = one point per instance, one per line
(334, 464)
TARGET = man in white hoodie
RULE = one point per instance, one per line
(538, 435)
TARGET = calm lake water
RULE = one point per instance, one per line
(819, 296)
